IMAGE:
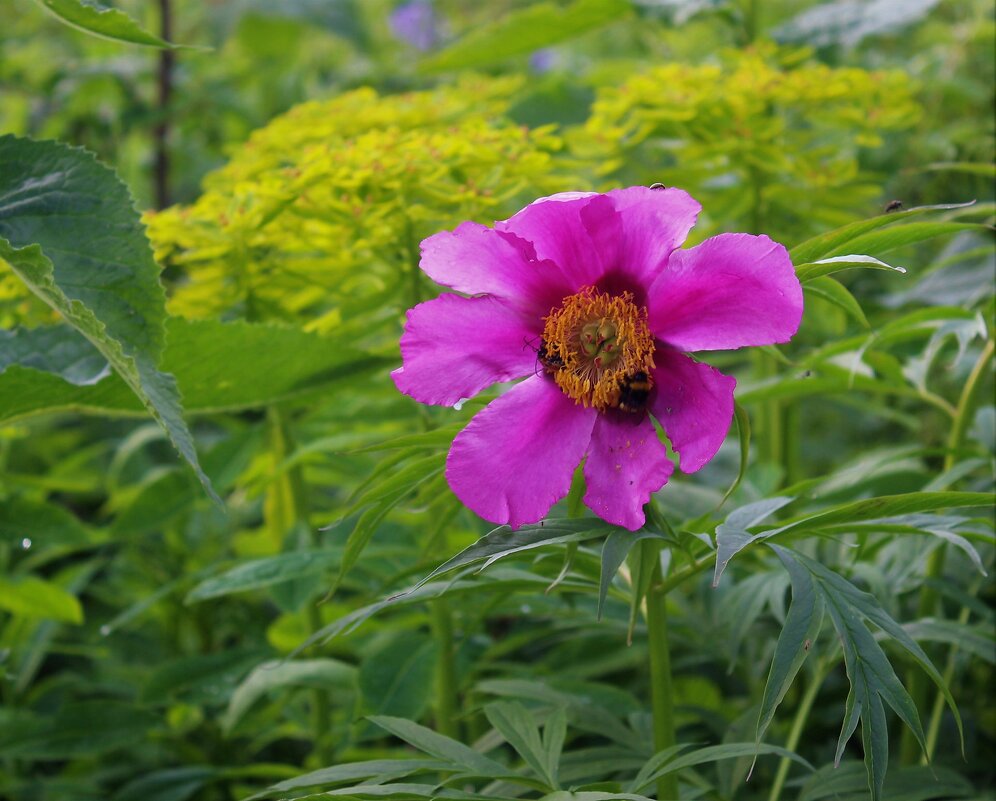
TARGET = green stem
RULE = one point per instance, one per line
(445, 706)
(934, 728)
(795, 733)
(661, 690)
(292, 509)
(927, 606)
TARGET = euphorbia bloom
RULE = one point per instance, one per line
(589, 298)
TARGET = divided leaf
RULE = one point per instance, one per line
(872, 677)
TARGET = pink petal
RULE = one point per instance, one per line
(694, 404)
(477, 260)
(731, 291)
(454, 347)
(553, 226)
(636, 240)
(626, 463)
(515, 459)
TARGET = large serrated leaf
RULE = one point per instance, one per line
(69, 230)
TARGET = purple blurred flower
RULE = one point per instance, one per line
(416, 23)
(542, 61)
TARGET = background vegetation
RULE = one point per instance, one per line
(158, 644)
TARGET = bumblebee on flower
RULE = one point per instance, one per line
(616, 304)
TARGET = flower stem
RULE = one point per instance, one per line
(916, 681)
(661, 690)
(445, 705)
(795, 733)
(290, 509)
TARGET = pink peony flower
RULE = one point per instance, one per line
(588, 297)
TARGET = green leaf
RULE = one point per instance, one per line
(265, 572)
(297, 365)
(78, 729)
(886, 506)
(836, 293)
(841, 239)
(30, 596)
(380, 769)
(848, 782)
(521, 32)
(40, 523)
(872, 678)
(554, 734)
(743, 435)
(203, 678)
(277, 675)
(802, 626)
(668, 761)
(614, 551)
(504, 542)
(54, 349)
(515, 723)
(69, 230)
(977, 640)
(107, 23)
(732, 535)
(440, 747)
(396, 679)
(886, 239)
(810, 270)
(172, 784)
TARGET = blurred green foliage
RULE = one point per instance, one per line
(154, 646)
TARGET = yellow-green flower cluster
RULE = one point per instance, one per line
(762, 137)
(319, 215)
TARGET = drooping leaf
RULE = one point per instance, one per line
(732, 535)
(836, 293)
(265, 572)
(672, 761)
(440, 747)
(107, 23)
(31, 596)
(841, 240)
(171, 784)
(802, 626)
(381, 769)
(276, 675)
(522, 32)
(809, 271)
(614, 552)
(503, 542)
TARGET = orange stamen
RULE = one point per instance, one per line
(600, 340)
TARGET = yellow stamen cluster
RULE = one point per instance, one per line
(597, 341)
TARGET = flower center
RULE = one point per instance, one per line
(599, 350)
